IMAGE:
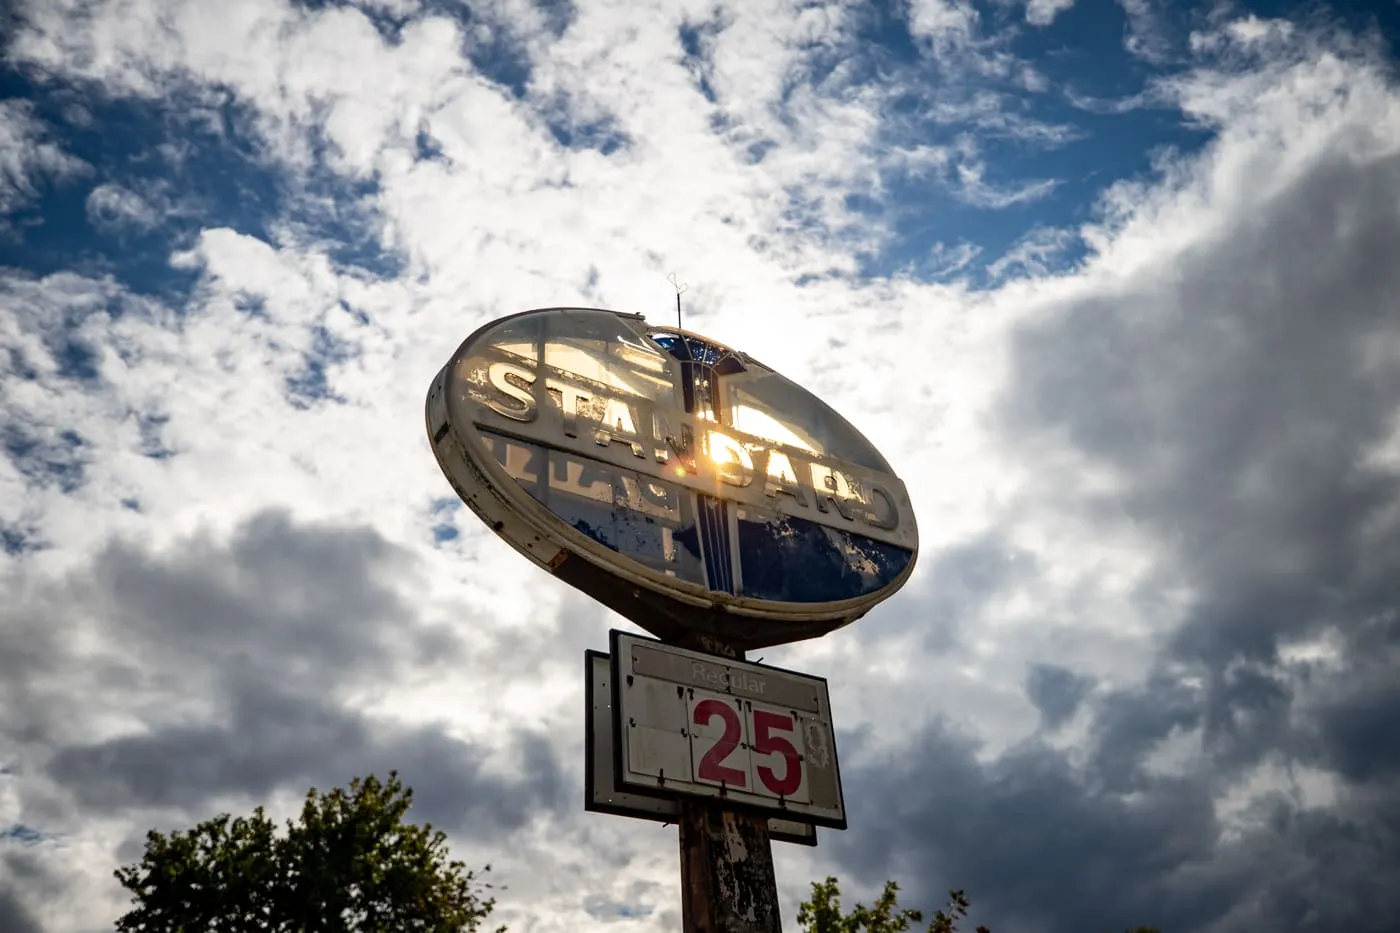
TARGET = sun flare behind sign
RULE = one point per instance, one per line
(683, 484)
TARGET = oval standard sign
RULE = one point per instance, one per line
(681, 483)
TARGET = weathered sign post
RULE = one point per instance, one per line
(717, 505)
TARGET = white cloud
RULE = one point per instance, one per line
(1034, 254)
(970, 186)
(28, 158)
(1247, 31)
(949, 22)
(1043, 12)
(1147, 36)
(949, 260)
(1274, 117)
(1143, 99)
(112, 207)
(507, 217)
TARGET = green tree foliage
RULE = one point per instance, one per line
(349, 865)
(822, 914)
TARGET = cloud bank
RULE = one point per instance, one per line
(1146, 407)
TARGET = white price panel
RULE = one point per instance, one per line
(692, 724)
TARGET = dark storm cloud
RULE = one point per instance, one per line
(1040, 850)
(14, 916)
(1358, 734)
(277, 741)
(1240, 403)
(1239, 399)
(1056, 692)
(257, 640)
(1237, 396)
(1128, 723)
(278, 595)
(303, 608)
(20, 871)
(1354, 723)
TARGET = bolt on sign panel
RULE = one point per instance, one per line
(682, 483)
(600, 793)
(698, 725)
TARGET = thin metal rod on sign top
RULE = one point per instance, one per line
(679, 287)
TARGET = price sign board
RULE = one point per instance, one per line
(698, 725)
(600, 790)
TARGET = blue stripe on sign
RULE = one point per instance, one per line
(713, 573)
(835, 564)
(714, 536)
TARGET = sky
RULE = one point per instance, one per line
(1112, 285)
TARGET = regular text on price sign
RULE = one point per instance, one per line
(692, 724)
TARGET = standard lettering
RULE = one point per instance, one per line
(701, 453)
(831, 486)
(731, 459)
(513, 382)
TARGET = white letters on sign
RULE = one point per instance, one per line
(865, 500)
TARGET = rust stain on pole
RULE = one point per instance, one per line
(727, 880)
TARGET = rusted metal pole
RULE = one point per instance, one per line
(727, 879)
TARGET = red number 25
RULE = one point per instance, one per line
(765, 743)
(765, 723)
(712, 766)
